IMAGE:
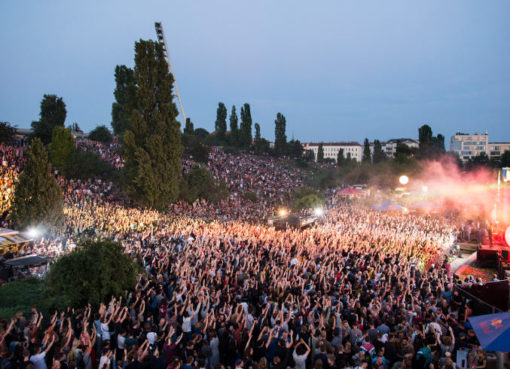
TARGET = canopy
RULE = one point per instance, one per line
(351, 191)
(26, 261)
(388, 206)
(493, 331)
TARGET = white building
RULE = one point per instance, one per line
(351, 149)
(467, 146)
(390, 146)
(496, 149)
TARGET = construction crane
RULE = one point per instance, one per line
(162, 40)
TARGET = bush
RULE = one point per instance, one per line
(307, 198)
(101, 134)
(199, 183)
(20, 295)
(87, 164)
(250, 196)
(92, 273)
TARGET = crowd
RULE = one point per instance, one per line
(11, 160)
(358, 289)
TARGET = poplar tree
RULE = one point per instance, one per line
(245, 129)
(280, 139)
(38, 199)
(125, 96)
(152, 145)
(234, 129)
(320, 153)
(189, 128)
(62, 149)
(367, 157)
(379, 154)
(221, 121)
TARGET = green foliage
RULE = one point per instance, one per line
(152, 145)
(38, 198)
(379, 155)
(21, 295)
(53, 114)
(221, 121)
(430, 146)
(125, 98)
(101, 134)
(199, 183)
(295, 149)
(62, 149)
(201, 133)
(188, 128)
(92, 273)
(505, 159)
(340, 159)
(7, 132)
(367, 158)
(200, 153)
(320, 153)
(245, 137)
(310, 155)
(327, 177)
(280, 139)
(234, 129)
(307, 198)
(87, 164)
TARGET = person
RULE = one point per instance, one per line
(300, 354)
(38, 358)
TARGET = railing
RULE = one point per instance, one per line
(480, 307)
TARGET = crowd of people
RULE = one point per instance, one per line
(357, 289)
(12, 158)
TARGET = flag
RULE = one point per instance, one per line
(493, 331)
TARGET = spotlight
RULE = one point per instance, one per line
(403, 180)
(283, 212)
(33, 232)
(425, 189)
(318, 212)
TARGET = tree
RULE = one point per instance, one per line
(258, 139)
(309, 155)
(505, 159)
(280, 139)
(199, 183)
(366, 159)
(53, 113)
(88, 164)
(221, 121)
(320, 153)
(38, 199)
(439, 143)
(307, 198)
(62, 149)
(340, 159)
(234, 129)
(245, 129)
(188, 128)
(151, 144)
(101, 134)
(93, 273)
(125, 98)
(430, 146)
(295, 149)
(7, 132)
(379, 155)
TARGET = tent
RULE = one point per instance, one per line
(388, 206)
(493, 331)
(350, 192)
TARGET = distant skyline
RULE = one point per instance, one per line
(338, 70)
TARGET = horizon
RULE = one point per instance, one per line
(337, 71)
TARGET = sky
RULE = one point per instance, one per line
(338, 70)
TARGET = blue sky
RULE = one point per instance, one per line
(338, 70)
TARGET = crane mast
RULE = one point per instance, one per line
(162, 40)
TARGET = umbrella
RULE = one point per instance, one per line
(387, 206)
(493, 331)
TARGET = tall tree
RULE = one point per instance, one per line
(53, 114)
(7, 132)
(245, 128)
(366, 159)
(379, 154)
(340, 159)
(125, 96)
(234, 129)
(189, 128)
(221, 121)
(38, 199)
(439, 143)
(61, 149)
(505, 159)
(280, 139)
(295, 149)
(152, 145)
(320, 153)
(257, 139)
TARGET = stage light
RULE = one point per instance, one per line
(425, 189)
(33, 232)
(507, 236)
(283, 212)
(318, 212)
(403, 180)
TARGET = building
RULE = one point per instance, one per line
(496, 149)
(390, 147)
(467, 146)
(331, 149)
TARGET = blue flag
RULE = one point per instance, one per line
(493, 331)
